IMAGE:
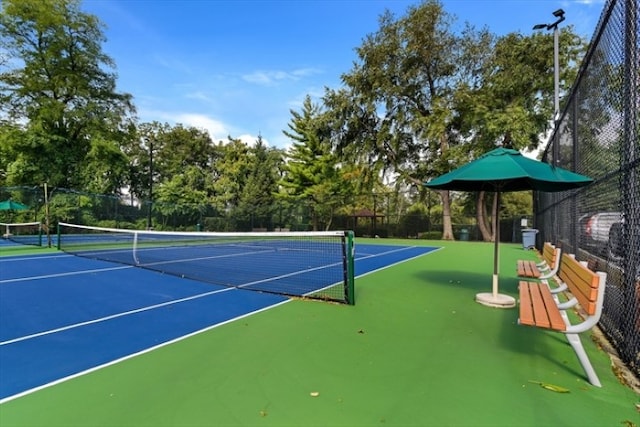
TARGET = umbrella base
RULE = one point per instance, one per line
(497, 300)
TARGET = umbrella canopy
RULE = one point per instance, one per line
(503, 170)
(10, 205)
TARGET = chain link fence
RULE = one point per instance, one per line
(598, 136)
(116, 211)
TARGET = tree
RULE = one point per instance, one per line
(62, 93)
(394, 113)
(229, 174)
(170, 166)
(257, 197)
(423, 100)
(508, 100)
(312, 173)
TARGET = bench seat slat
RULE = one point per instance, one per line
(526, 310)
(538, 308)
(528, 269)
(555, 318)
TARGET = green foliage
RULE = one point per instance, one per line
(312, 172)
(510, 100)
(62, 91)
(230, 173)
(516, 204)
(257, 197)
(430, 235)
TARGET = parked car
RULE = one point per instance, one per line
(614, 243)
(602, 233)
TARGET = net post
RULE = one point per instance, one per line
(40, 234)
(58, 231)
(134, 251)
(351, 296)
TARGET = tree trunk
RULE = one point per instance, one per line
(481, 217)
(495, 217)
(447, 229)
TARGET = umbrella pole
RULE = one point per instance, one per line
(496, 249)
(494, 299)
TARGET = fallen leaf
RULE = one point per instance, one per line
(551, 387)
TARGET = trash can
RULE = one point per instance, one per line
(464, 234)
(529, 238)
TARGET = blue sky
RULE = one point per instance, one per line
(238, 67)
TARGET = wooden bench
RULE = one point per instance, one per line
(541, 307)
(546, 268)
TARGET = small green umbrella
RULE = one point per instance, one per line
(10, 205)
(503, 170)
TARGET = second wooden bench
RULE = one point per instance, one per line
(546, 268)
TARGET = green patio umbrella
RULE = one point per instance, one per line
(503, 170)
(10, 205)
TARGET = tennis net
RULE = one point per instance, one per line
(316, 265)
(26, 233)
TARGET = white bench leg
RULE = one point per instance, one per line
(574, 340)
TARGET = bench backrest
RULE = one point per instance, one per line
(550, 254)
(582, 282)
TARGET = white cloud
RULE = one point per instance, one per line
(589, 1)
(250, 140)
(270, 78)
(217, 129)
(200, 96)
(171, 62)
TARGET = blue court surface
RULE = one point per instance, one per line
(63, 315)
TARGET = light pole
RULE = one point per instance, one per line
(556, 67)
(559, 14)
(150, 206)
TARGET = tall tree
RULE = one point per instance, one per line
(229, 175)
(176, 162)
(394, 112)
(509, 100)
(257, 197)
(312, 173)
(423, 100)
(57, 83)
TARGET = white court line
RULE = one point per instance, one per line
(31, 258)
(130, 356)
(395, 263)
(113, 316)
(69, 273)
(98, 270)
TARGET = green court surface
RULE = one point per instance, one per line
(415, 350)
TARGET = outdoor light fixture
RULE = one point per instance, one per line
(554, 26)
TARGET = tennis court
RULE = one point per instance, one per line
(63, 315)
(415, 350)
